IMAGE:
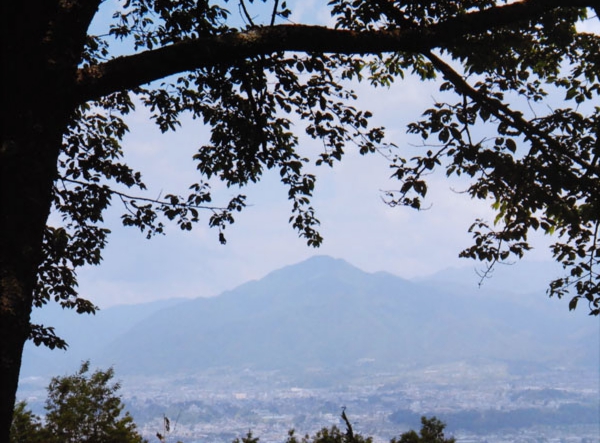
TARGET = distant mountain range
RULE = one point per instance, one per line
(324, 313)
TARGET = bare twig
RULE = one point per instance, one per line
(246, 13)
(158, 201)
(274, 13)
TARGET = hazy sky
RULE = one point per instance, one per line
(356, 224)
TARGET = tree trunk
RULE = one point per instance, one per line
(13, 329)
(28, 161)
(41, 48)
(35, 108)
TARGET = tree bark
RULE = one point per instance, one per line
(41, 43)
(27, 172)
(32, 126)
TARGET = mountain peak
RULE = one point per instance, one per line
(320, 263)
(314, 268)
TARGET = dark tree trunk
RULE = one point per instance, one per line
(27, 171)
(42, 43)
(35, 109)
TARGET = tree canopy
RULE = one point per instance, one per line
(82, 407)
(432, 431)
(26, 427)
(67, 94)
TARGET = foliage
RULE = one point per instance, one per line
(26, 427)
(539, 172)
(432, 431)
(329, 435)
(535, 160)
(85, 407)
(325, 435)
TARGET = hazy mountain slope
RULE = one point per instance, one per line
(86, 334)
(326, 313)
(520, 278)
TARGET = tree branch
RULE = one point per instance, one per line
(507, 115)
(139, 69)
(123, 196)
(274, 13)
(246, 13)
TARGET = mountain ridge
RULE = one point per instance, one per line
(326, 313)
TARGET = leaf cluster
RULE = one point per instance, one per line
(541, 170)
(432, 431)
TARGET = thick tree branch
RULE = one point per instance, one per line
(139, 69)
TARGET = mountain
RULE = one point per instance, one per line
(324, 313)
